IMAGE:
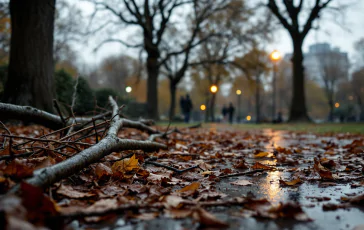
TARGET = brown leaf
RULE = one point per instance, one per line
(206, 219)
(102, 171)
(258, 165)
(322, 171)
(172, 201)
(68, 191)
(240, 165)
(290, 183)
(38, 205)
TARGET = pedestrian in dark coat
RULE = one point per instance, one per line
(187, 108)
(224, 112)
(231, 111)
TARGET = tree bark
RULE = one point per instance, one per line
(152, 88)
(31, 68)
(173, 91)
(331, 112)
(298, 111)
(212, 107)
(257, 98)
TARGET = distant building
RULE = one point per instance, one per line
(320, 54)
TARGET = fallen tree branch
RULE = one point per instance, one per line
(30, 114)
(111, 143)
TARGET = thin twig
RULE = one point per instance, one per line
(56, 105)
(179, 171)
(242, 173)
(96, 136)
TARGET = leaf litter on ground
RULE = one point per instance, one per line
(114, 185)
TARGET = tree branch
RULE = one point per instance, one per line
(111, 143)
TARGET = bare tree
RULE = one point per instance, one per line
(289, 15)
(332, 69)
(177, 64)
(150, 19)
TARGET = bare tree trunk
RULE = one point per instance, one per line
(298, 111)
(31, 69)
(152, 87)
(331, 112)
(212, 107)
(257, 98)
(173, 91)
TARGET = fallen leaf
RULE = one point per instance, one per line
(258, 165)
(290, 183)
(261, 154)
(68, 191)
(102, 171)
(241, 182)
(125, 166)
(206, 219)
(38, 206)
(192, 187)
(172, 201)
(322, 171)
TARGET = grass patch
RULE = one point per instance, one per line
(304, 127)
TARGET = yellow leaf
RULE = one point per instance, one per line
(192, 187)
(125, 165)
(261, 154)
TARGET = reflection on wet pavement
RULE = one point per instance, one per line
(266, 185)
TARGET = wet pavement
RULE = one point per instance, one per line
(266, 185)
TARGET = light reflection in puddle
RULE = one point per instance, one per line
(271, 189)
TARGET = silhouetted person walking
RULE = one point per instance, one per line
(231, 111)
(182, 104)
(187, 108)
(224, 112)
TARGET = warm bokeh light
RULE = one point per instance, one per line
(213, 89)
(203, 107)
(275, 55)
(128, 89)
(238, 92)
(337, 105)
(248, 118)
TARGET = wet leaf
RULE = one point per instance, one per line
(125, 166)
(241, 182)
(206, 219)
(290, 183)
(68, 191)
(261, 154)
(192, 187)
(258, 165)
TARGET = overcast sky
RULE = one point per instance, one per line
(329, 32)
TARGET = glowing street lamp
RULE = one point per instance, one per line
(248, 118)
(203, 107)
(214, 89)
(238, 92)
(275, 56)
(337, 105)
(128, 89)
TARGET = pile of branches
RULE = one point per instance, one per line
(76, 153)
